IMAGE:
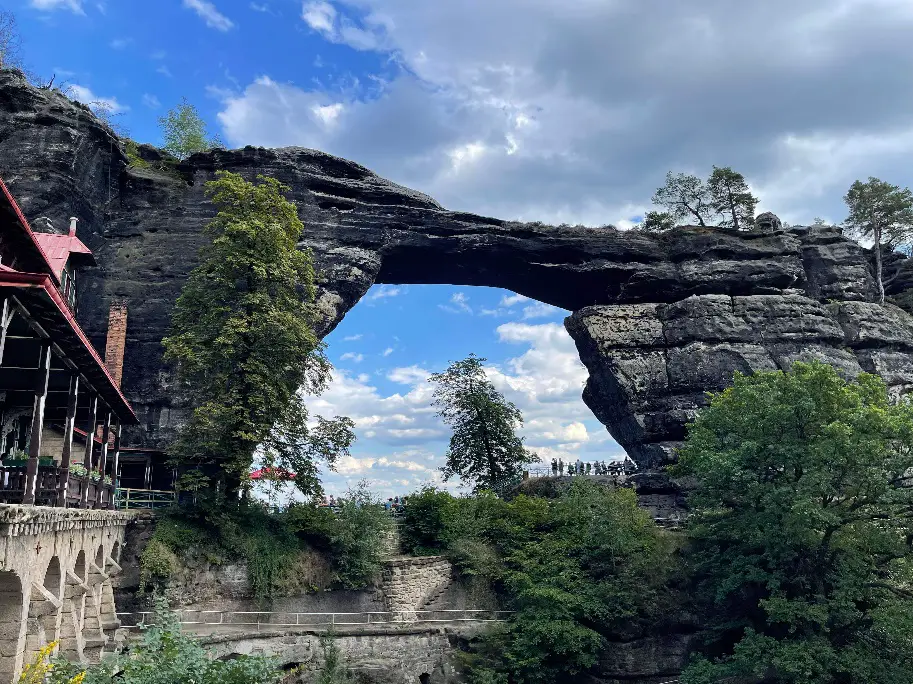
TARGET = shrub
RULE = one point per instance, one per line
(358, 539)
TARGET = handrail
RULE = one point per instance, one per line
(324, 619)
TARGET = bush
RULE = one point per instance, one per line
(426, 521)
(358, 538)
(165, 655)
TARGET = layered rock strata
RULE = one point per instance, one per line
(658, 319)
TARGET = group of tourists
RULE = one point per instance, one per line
(395, 505)
(615, 468)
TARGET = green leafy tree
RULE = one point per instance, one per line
(685, 197)
(731, 197)
(484, 449)
(801, 530)
(244, 344)
(657, 222)
(883, 213)
(185, 131)
(165, 655)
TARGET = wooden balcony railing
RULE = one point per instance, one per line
(13, 479)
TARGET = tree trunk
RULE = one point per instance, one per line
(735, 218)
(878, 274)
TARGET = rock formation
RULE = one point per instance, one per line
(659, 319)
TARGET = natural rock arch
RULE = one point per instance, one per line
(658, 319)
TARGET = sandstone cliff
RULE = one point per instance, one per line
(658, 319)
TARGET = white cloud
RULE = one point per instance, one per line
(87, 97)
(328, 115)
(459, 303)
(164, 71)
(539, 310)
(352, 356)
(259, 8)
(74, 6)
(410, 375)
(510, 300)
(210, 14)
(384, 292)
(508, 110)
(387, 351)
(320, 16)
(352, 338)
(151, 101)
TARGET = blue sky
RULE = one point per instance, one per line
(552, 110)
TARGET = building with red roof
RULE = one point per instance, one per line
(51, 378)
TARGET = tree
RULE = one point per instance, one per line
(685, 196)
(244, 344)
(730, 196)
(484, 448)
(10, 41)
(801, 530)
(657, 222)
(185, 131)
(882, 212)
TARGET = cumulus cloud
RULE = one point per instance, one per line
(384, 292)
(210, 14)
(151, 101)
(527, 110)
(352, 356)
(387, 351)
(352, 338)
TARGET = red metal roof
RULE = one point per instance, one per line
(58, 248)
(271, 474)
(27, 228)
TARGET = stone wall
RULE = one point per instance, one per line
(408, 584)
(385, 655)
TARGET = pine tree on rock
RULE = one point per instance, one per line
(732, 198)
(685, 196)
(883, 213)
(484, 449)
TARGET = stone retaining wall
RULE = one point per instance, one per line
(409, 583)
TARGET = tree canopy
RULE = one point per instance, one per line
(244, 343)
(731, 198)
(184, 131)
(883, 213)
(484, 448)
(801, 530)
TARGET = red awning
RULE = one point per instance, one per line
(272, 474)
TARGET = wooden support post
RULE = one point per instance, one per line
(6, 317)
(41, 394)
(90, 444)
(115, 463)
(103, 459)
(66, 456)
(147, 475)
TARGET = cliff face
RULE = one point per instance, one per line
(658, 319)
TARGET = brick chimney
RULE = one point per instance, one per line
(117, 340)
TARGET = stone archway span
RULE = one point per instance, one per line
(658, 319)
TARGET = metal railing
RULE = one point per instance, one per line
(143, 499)
(270, 619)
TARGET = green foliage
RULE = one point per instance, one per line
(426, 521)
(358, 538)
(165, 655)
(802, 530)
(131, 149)
(185, 131)
(157, 564)
(883, 213)
(244, 343)
(657, 222)
(484, 448)
(731, 198)
(685, 196)
(577, 569)
(334, 670)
